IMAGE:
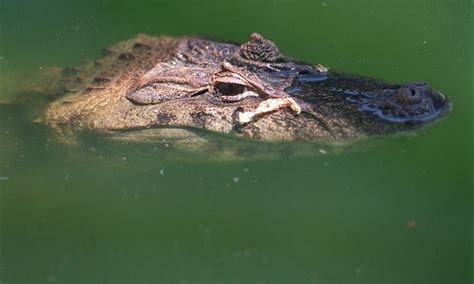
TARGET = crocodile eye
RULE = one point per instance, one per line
(230, 89)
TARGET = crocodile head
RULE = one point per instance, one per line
(341, 104)
(201, 84)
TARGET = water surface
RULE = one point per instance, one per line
(394, 210)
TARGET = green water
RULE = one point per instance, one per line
(384, 211)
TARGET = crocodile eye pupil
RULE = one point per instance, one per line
(413, 92)
(230, 89)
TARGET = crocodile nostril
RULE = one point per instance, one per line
(408, 95)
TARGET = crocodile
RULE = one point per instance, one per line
(147, 88)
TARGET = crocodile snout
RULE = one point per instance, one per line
(418, 100)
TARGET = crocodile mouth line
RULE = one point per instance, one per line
(425, 117)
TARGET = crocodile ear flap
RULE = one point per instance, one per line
(163, 83)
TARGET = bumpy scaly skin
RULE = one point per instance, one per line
(156, 82)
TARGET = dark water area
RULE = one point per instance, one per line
(387, 210)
